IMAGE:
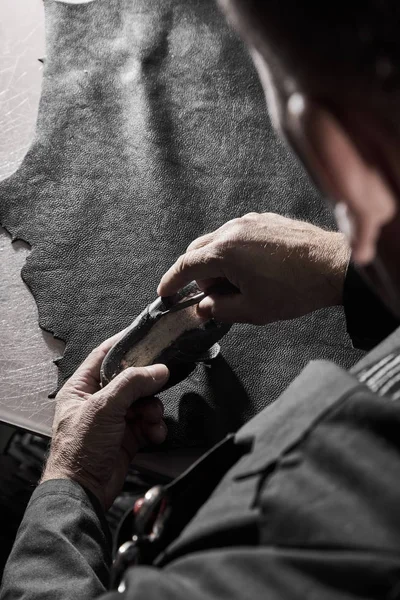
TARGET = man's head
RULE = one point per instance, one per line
(331, 74)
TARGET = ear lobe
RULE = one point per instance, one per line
(333, 157)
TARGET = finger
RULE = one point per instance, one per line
(151, 410)
(139, 435)
(197, 264)
(206, 284)
(154, 433)
(230, 308)
(364, 238)
(87, 376)
(131, 384)
(200, 242)
(133, 439)
(109, 343)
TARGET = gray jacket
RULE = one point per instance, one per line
(311, 511)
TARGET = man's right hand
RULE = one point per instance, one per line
(282, 269)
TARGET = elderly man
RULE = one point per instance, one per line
(303, 501)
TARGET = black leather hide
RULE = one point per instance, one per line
(152, 131)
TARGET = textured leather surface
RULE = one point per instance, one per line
(152, 130)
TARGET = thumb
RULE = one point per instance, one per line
(231, 308)
(133, 383)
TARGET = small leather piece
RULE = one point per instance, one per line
(191, 347)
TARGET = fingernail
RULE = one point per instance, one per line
(158, 372)
(158, 433)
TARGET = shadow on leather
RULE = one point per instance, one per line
(206, 421)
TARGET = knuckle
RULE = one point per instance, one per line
(198, 243)
(212, 252)
(216, 253)
(135, 376)
(95, 353)
(132, 380)
(182, 263)
(193, 245)
(235, 228)
(124, 379)
(195, 258)
(63, 394)
(227, 241)
(231, 223)
(128, 375)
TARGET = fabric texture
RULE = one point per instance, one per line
(310, 512)
(153, 130)
(60, 522)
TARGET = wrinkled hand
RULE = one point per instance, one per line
(97, 432)
(282, 268)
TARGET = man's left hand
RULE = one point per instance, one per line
(97, 432)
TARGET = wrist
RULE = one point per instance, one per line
(54, 471)
(51, 475)
(339, 258)
(329, 254)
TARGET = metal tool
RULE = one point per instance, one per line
(223, 288)
(191, 301)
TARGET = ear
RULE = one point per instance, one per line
(337, 162)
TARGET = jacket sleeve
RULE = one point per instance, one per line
(62, 549)
(367, 318)
(62, 552)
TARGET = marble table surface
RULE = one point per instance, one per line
(27, 372)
